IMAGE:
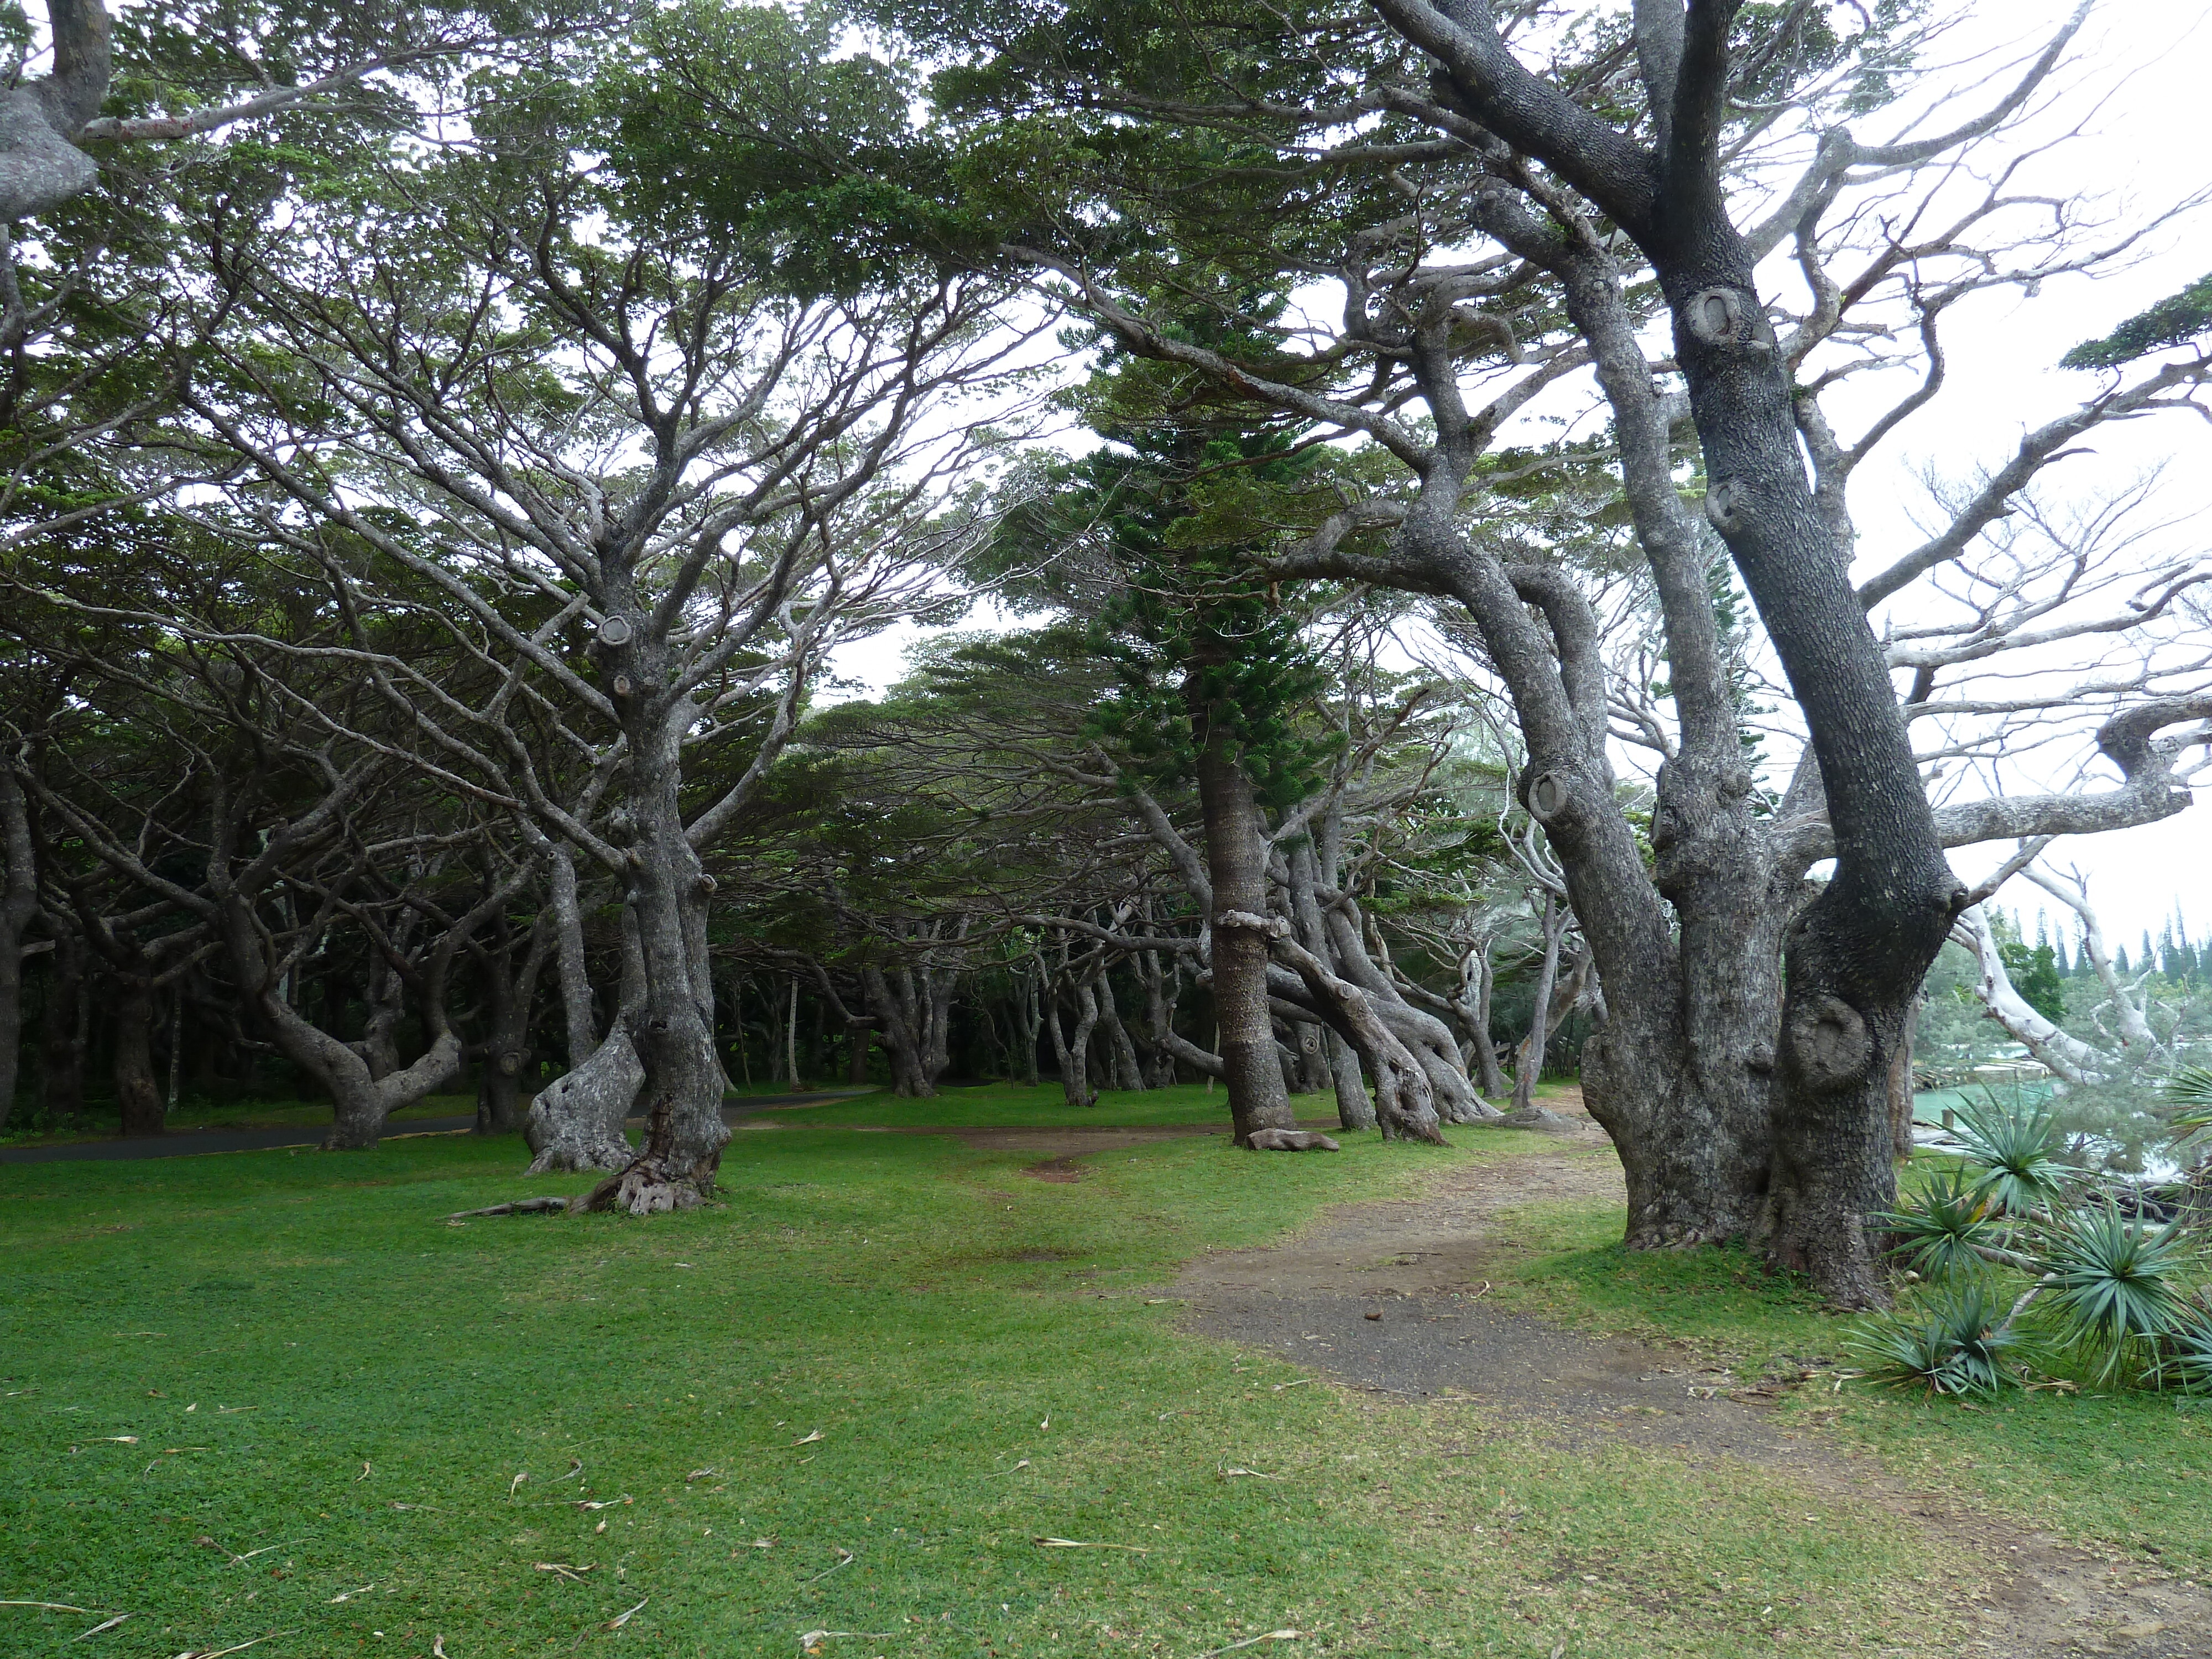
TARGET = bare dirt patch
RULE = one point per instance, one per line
(1418, 1265)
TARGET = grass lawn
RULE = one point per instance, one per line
(2131, 1470)
(850, 1401)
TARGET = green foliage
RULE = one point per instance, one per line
(2016, 1150)
(2190, 1089)
(1941, 1231)
(2033, 970)
(1956, 1341)
(2176, 320)
(2113, 1284)
(2186, 1364)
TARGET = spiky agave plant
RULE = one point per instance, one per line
(1946, 1229)
(1956, 1341)
(2186, 1364)
(2112, 1284)
(2016, 1148)
(2191, 1090)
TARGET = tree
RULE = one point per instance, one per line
(1488, 223)
(654, 455)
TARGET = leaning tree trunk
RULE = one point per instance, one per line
(1354, 1108)
(575, 1122)
(1237, 866)
(1528, 1058)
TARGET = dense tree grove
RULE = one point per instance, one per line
(1405, 448)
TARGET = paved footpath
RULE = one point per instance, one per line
(310, 1134)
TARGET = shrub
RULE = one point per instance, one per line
(1956, 1341)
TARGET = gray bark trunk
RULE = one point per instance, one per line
(576, 1120)
(1354, 1108)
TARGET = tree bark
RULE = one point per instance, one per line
(511, 994)
(64, 1027)
(1354, 1108)
(576, 1120)
(137, 1089)
(1237, 868)
(19, 903)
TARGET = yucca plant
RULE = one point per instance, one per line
(1957, 1341)
(2191, 1089)
(2016, 1148)
(1945, 1229)
(2112, 1283)
(2186, 1365)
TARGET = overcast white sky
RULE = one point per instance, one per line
(2140, 63)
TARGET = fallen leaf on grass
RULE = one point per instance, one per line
(1255, 1473)
(414, 1506)
(1072, 1544)
(437, 1647)
(599, 1503)
(806, 1440)
(96, 1629)
(364, 1474)
(517, 1481)
(699, 1475)
(996, 1473)
(621, 1619)
(348, 1595)
(763, 1543)
(574, 1575)
(1300, 1383)
(1271, 1636)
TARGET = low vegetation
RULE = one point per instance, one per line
(279, 1392)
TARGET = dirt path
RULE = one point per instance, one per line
(1419, 1266)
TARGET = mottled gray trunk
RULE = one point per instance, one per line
(1121, 1052)
(575, 1122)
(569, 933)
(1354, 1109)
